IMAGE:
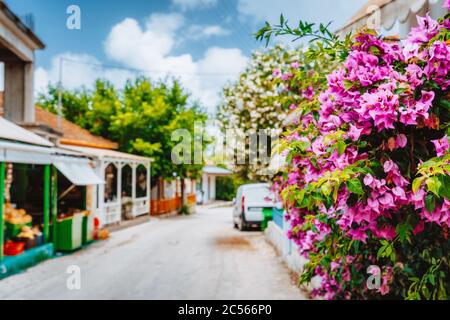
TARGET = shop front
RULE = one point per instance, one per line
(46, 199)
(73, 182)
(125, 193)
(25, 181)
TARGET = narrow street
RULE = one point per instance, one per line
(194, 257)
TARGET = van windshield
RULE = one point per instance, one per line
(259, 194)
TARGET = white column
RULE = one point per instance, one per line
(119, 188)
(205, 188)
(213, 188)
(133, 186)
(149, 187)
(101, 195)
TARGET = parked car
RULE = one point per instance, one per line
(250, 201)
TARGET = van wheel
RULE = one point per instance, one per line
(242, 226)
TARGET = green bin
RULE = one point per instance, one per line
(267, 212)
(88, 229)
(69, 233)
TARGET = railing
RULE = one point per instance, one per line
(112, 213)
(278, 217)
(140, 207)
(159, 207)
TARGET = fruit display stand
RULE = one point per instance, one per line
(69, 233)
(24, 242)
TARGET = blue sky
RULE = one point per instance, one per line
(203, 42)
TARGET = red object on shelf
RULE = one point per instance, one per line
(96, 227)
(13, 248)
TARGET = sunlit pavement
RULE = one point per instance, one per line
(192, 257)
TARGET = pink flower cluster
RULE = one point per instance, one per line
(385, 197)
(381, 93)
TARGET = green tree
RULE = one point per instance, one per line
(75, 104)
(140, 118)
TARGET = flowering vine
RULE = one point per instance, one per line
(368, 176)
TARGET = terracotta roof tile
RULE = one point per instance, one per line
(72, 134)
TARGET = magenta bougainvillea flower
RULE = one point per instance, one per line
(441, 145)
(356, 153)
(447, 4)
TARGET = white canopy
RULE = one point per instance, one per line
(218, 171)
(78, 171)
(24, 153)
(106, 154)
(12, 132)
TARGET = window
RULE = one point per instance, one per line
(110, 183)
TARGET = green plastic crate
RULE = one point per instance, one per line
(69, 233)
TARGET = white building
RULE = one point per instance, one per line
(208, 184)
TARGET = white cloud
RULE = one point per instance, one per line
(197, 32)
(78, 70)
(229, 62)
(193, 4)
(150, 48)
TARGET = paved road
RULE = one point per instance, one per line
(195, 257)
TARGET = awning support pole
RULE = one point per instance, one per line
(54, 203)
(46, 203)
(2, 202)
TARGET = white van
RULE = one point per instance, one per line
(250, 201)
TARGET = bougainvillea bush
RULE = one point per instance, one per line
(367, 188)
(255, 100)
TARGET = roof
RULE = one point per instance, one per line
(12, 132)
(254, 185)
(365, 12)
(72, 134)
(390, 12)
(20, 25)
(216, 170)
(106, 154)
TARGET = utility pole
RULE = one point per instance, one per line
(60, 92)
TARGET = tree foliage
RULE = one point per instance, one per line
(140, 118)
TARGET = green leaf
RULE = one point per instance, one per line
(326, 189)
(433, 185)
(426, 292)
(417, 183)
(341, 146)
(355, 186)
(444, 190)
(430, 203)
(404, 231)
(314, 163)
